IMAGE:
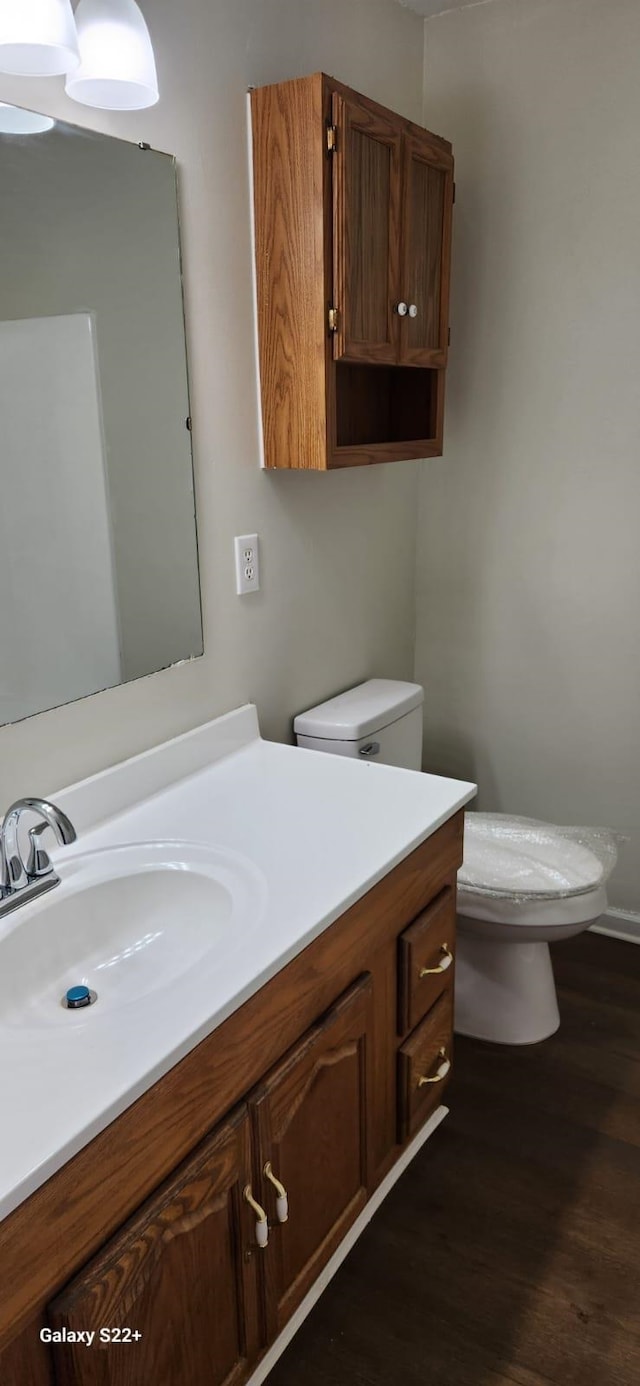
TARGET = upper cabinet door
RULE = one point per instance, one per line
(311, 1122)
(428, 200)
(181, 1275)
(367, 196)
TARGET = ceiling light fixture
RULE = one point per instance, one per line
(37, 38)
(117, 69)
(16, 121)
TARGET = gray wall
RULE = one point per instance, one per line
(528, 638)
(90, 225)
(337, 600)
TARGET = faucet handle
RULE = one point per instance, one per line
(38, 861)
(12, 873)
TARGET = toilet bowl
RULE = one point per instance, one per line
(505, 989)
(522, 885)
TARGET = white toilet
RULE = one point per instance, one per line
(522, 885)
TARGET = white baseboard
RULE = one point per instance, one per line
(624, 924)
(276, 1350)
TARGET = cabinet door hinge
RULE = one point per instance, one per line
(454, 193)
(449, 338)
(332, 139)
(333, 319)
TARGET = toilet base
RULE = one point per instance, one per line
(504, 992)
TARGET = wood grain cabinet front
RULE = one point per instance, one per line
(426, 959)
(181, 1275)
(311, 1125)
(353, 241)
(426, 249)
(178, 1288)
(424, 1065)
(367, 207)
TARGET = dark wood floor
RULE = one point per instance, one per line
(509, 1252)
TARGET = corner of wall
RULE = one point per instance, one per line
(424, 71)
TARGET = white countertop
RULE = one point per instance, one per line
(322, 830)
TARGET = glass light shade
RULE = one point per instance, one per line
(16, 121)
(37, 38)
(117, 69)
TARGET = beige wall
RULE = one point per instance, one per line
(528, 637)
(337, 551)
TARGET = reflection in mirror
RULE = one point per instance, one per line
(98, 552)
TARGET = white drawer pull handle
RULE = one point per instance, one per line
(440, 1073)
(447, 959)
(282, 1202)
(262, 1226)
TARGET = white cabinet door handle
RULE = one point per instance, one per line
(413, 310)
(282, 1201)
(262, 1225)
(440, 1073)
(447, 959)
(401, 309)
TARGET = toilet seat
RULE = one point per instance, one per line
(545, 912)
(520, 859)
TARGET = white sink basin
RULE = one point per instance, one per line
(131, 923)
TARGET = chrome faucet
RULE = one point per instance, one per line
(20, 881)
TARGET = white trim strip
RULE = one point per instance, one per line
(623, 924)
(282, 1341)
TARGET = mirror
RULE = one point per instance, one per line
(98, 551)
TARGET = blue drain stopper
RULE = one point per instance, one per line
(78, 996)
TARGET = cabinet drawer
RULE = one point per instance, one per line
(424, 1061)
(425, 959)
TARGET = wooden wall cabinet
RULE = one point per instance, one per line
(353, 212)
(311, 1088)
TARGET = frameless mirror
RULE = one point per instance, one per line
(98, 553)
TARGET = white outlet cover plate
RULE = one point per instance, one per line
(247, 558)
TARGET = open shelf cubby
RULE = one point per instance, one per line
(385, 404)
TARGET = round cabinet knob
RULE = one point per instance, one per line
(413, 310)
(401, 309)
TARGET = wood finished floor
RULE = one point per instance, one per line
(509, 1253)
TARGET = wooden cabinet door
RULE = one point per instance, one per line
(311, 1123)
(27, 1361)
(181, 1274)
(427, 214)
(367, 193)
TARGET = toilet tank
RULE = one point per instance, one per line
(380, 720)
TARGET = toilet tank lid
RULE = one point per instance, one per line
(360, 711)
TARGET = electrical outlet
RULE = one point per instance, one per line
(247, 563)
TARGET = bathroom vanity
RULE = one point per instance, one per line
(194, 1201)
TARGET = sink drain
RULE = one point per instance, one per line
(76, 998)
